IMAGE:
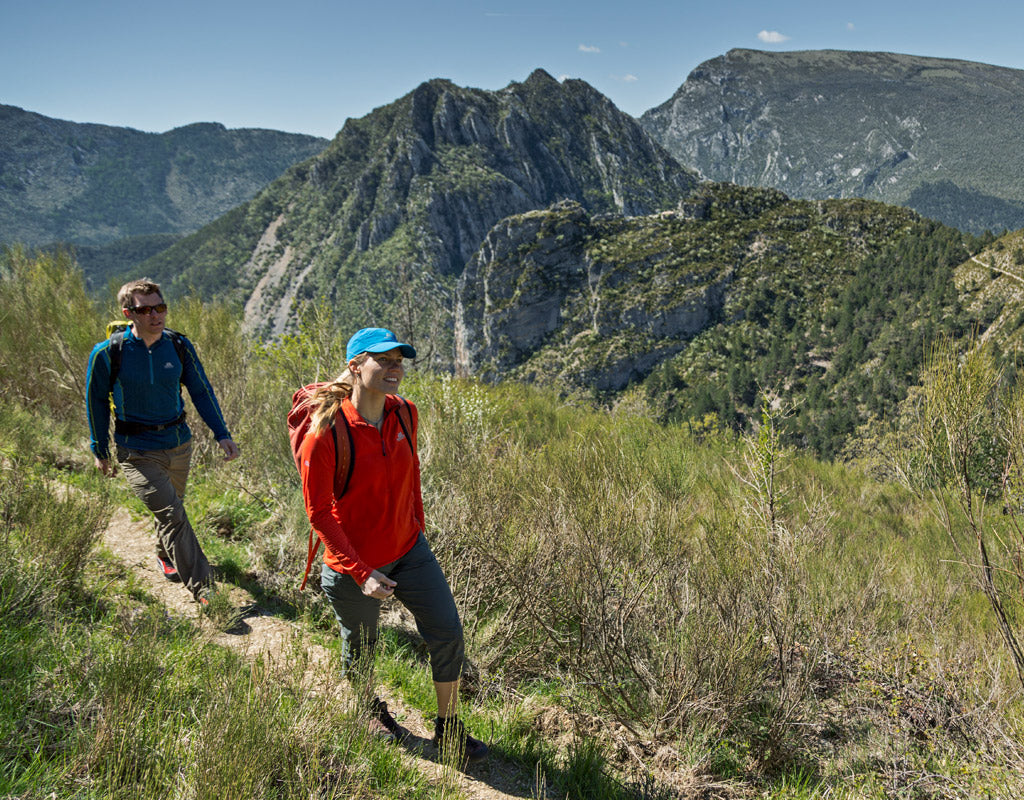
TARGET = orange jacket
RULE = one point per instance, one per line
(381, 513)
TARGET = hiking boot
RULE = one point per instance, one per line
(204, 597)
(168, 570)
(383, 725)
(454, 743)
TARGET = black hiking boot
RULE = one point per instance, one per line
(454, 744)
(384, 725)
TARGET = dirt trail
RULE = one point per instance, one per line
(262, 634)
(981, 263)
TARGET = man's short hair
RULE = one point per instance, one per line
(126, 296)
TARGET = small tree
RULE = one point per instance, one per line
(966, 442)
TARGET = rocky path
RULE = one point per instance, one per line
(262, 634)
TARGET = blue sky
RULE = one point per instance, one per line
(307, 65)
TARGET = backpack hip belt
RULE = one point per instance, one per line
(128, 428)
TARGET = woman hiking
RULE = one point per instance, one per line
(373, 533)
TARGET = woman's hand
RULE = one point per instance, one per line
(378, 585)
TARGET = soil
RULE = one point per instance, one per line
(261, 633)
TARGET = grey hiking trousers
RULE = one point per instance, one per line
(423, 589)
(157, 477)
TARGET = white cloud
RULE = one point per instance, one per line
(772, 37)
(589, 48)
(850, 26)
(630, 78)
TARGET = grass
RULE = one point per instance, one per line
(105, 695)
(645, 613)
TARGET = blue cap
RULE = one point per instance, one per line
(376, 340)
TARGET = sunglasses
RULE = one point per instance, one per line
(159, 308)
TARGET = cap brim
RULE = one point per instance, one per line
(408, 351)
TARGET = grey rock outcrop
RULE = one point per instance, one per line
(937, 135)
(537, 303)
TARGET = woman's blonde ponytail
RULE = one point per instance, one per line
(327, 399)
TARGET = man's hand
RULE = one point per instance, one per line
(106, 466)
(230, 449)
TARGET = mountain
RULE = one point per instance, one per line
(937, 135)
(383, 221)
(829, 305)
(93, 184)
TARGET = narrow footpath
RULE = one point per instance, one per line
(262, 634)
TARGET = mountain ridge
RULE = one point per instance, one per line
(935, 134)
(91, 184)
(401, 199)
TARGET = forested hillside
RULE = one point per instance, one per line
(88, 184)
(828, 305)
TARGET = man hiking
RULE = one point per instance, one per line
(139, 373)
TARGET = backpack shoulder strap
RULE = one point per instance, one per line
(344, 462)
(344, 449)
(408, 422)
(178, 340)
(114, 351)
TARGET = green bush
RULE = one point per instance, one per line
(652, 598)
(48, 325)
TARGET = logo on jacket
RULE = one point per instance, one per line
(401, 435)
(168, 365)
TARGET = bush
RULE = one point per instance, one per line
(48, 325)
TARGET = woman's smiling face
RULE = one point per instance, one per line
(381, 372)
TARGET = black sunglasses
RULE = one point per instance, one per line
(159, 308)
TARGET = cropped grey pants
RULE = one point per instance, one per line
(423, 589)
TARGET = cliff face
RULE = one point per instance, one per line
(718, 284)
(402, 198)
(595, 302)
(937, 135)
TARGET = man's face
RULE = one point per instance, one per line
(147, 324)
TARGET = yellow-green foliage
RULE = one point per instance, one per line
(736, 606)
(47, 326)
(965, 438)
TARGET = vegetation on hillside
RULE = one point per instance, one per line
(93, 184)
(937, 135)
(842, 341)
(115, 262)
(739, 292)
(652, 612)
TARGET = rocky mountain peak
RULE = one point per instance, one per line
(937, 135)
(540, 78)
(422, 180)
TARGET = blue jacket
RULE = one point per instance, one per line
(148, 390)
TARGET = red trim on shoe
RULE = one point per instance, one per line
(168, 570)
